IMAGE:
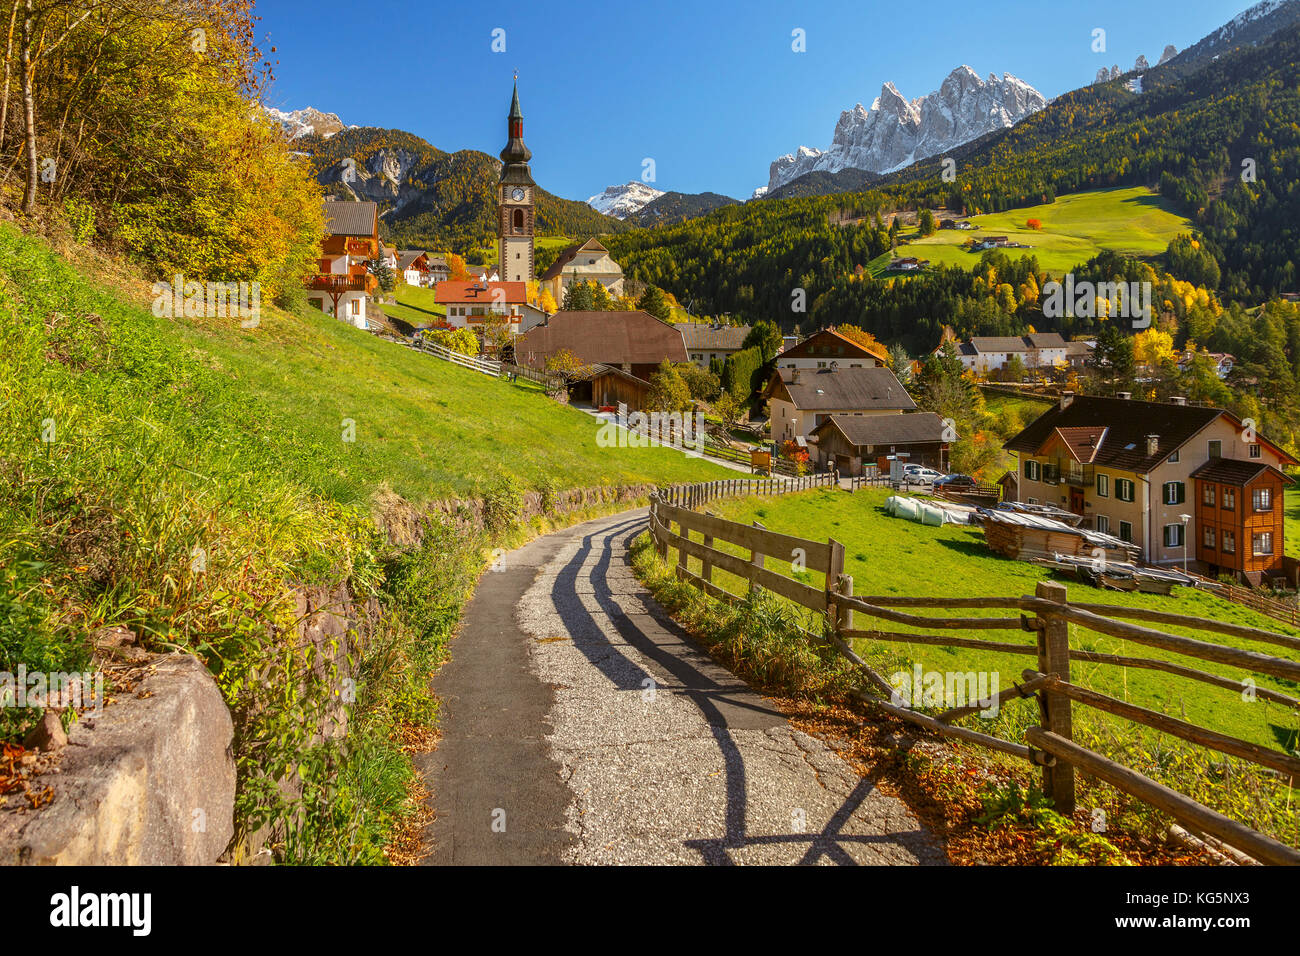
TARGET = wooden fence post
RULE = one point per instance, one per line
(1054, 709)
(706, 571)
(681, 551)
(756, 559)
(835, 582)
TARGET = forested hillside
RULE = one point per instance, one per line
(432, 199)
(1188, 135)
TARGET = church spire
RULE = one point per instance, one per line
(515, 152)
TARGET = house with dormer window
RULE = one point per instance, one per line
(1182, 482)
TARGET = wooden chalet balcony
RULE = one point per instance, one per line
(1068, 472)
(343, 283)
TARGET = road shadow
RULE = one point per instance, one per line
(724, 701)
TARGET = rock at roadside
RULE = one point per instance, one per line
(47, 736)
(150, 780)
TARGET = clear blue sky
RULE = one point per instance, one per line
(710, 89)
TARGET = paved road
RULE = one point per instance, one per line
(581, 725)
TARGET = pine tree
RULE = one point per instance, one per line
(652, 300)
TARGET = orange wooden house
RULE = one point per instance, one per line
(1240, 511)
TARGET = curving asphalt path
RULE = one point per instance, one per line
(581, 725)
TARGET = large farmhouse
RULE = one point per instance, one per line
(635, 342)
(1183, 483)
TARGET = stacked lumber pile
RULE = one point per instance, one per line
(1030, 537)
(1120, 575)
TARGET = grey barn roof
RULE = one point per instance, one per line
(863, 389)
(350, 218)
(907, 429)
(700, 335)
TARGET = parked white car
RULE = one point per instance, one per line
(919, 474)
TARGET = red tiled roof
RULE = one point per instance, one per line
(480, 292)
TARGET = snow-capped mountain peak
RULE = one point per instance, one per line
(622, 201)
(306, 122)
(896, 132)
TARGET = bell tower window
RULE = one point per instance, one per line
(518, 220)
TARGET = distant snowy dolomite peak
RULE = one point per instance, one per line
(622, 201)
(307, 122)
(896, 132)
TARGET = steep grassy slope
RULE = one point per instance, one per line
(183, 477)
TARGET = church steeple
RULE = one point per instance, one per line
(515, 210)
(515, 153)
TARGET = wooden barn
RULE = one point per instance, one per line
(852, 443)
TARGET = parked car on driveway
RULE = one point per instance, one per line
(955, 481)
(920, 475)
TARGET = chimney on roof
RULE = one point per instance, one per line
(835, 366)
(794, 376)
(1179, 399)
(1125, 396)
(1153, 445)
(1066, 398)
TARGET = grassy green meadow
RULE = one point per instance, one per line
(416, 305)
(892, 556)
(1075, 228)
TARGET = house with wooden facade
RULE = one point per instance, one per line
(1171, 478)
(343, 285)
(828, 347)
(413, 266)
(636, 342)
(802, 399)
(852, 444)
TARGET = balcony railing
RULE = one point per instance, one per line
(343, 283)
(1063, 472)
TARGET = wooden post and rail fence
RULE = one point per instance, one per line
(1046, 615)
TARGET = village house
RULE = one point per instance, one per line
(484, 273)
(1037, 350)
(342, 286)
(907, 264)
(619, 351)
(851, 444)
(469, 304)
(802, 399)
(413, 266)
(823, 348)
(1222, 362)
(586, 261)
(1079, 353)
(636, 342)
(1181, 482)
(705, 342)
(437, 270)
(994, 242)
